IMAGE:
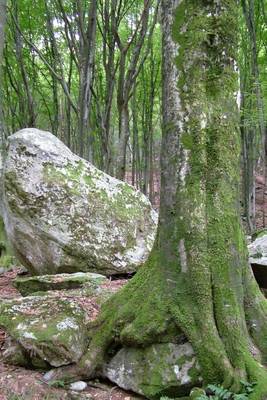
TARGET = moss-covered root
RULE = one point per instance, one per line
(256, 313)
(260, 390)
(257, 373)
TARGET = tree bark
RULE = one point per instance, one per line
(5, 250)
(29, 115)
(86, 77)
(197, 278)
(2, 25)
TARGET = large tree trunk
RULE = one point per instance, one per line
(197, 278)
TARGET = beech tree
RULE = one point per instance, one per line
(197, 279)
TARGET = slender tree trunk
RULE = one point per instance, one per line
(30, 116)
(134, 136)
(56, 64)
(86, 77)
(5, 251)
(124, 134)
(68, 109)
(2, 25)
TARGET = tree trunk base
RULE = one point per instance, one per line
(153, 308)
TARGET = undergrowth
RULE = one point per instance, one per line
(217, 392)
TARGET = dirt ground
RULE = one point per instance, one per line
(21, 384)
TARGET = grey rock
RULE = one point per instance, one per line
(30, 285)
(78, 386)
(64, 215)
(258, 250)
(258, 259)
(50, 331)
(13, 353)
(160, 369)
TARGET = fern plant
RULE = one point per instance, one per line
(217, 392)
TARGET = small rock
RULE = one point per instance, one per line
(29, 285)
(46, 328)
(78, 386)
(48, 375)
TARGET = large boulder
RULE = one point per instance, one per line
(44, 331)
(166, 369)
(64, 215)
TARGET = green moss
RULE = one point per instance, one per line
(88, 180)
(187, 141)
(50, 332)
(30, 285)
(258, 234)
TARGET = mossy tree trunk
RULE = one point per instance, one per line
(197, 278)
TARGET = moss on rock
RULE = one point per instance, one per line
(79, 218)
(157, 370)
(29, 285)
(47, 328)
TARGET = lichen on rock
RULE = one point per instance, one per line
(160, 369)
(48, 329)
(30, 285)
(64, 215)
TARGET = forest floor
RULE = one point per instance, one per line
(23, 384)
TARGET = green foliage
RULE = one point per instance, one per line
(7, 261)
(34, 96)
(217, 392)
(57, 383)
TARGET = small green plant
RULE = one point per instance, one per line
(217, 392)
(165, 398)
(57, 384)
